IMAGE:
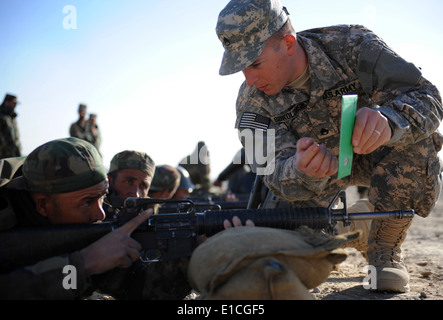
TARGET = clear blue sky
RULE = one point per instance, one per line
(149, 69)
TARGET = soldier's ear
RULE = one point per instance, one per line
(42, 203)
(290, 43)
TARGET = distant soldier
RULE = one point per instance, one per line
(93, 134)
(78, 128)
(9, 135)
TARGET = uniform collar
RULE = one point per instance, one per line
(323, 74)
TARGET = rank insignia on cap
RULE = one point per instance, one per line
(226, 42)
(251, 120)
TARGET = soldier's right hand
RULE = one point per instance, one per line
(315, 160)
(116, 249)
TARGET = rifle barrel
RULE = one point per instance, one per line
(211, 222)
(399, 214)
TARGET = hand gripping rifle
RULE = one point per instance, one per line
(167, 236)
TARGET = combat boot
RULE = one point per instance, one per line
(384, 253)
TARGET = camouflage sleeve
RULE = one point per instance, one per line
(279, 172)
(270, 150)
(411, 103)
(46, 279)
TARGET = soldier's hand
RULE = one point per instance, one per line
(315, 160)
(116, 249)
(236, 222)
(371, 130)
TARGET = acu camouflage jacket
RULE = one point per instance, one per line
(344, 59)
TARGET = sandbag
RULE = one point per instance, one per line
(257, 263)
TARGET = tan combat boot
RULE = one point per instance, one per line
(384, 253)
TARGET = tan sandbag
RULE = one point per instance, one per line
(257, 263)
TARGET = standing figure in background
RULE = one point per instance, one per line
(9, 135)
(78, 128)
(93, 134)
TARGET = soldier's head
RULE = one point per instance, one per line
(165, 183)
(186, 186)
(67, 180)
(130, 174)
(82, 109)
(92, 118)
(10, 101)
(259, 40)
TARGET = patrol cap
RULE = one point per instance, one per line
(82, 107)
(130, 159)
(10, 97)
(165, 178)
(63, 165)
(243, 27)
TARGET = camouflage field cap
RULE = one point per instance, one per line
(243, 27)
(63, 165)
(130, 159)
(165, 178)
(82, 107)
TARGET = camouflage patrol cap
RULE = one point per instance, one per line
(130, 159)
(10, 97)
(243, 27)
(165, 178)
(82, 107)
(63, 165)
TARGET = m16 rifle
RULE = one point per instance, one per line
(168, 236)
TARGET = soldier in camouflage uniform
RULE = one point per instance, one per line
(62, 182)
(78, 128)
(293, 89)
(130, 175)
(9, 135)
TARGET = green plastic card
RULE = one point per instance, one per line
(346, 153)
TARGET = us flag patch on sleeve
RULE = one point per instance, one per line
(249, 120)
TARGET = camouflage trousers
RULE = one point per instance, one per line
(404, 177)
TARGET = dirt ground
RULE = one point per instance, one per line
(423, 253)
